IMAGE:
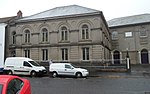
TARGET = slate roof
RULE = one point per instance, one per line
(60, 11)
(129, 20)
(6, 19)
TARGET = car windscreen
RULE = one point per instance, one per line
(34, 63)
(1, 87)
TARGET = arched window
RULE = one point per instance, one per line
(85, 32)
(64, 33)
(27, 36)
(44, 35)
(144, 56)
(13, 37)
(114, 35)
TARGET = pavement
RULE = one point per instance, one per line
(136, 71)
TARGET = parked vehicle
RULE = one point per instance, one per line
(66, 69)
(14, 85)
(23, 66)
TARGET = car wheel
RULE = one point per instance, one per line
(54, 74)
(10, 72)
(33, 74)
(78, 75)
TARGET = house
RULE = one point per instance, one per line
(64, 34)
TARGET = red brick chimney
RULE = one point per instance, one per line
(19, 14)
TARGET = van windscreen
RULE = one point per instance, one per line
(34, 63)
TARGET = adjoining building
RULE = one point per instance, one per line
(131, 34)
(64, 34)
(3, 31)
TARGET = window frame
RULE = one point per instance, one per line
(85, 32)
(128, 34)
(14, 37)
(114, 35)
(27, 36)
(141, 33)
(44, 54)
(44, 33)
(64, 33)
(27, 53)
(86, 53)
(64, 54)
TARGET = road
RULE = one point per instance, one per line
(91, 85)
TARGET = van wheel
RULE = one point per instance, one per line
(33, 74)
(78, 75)
(10, 72)
(54, 74)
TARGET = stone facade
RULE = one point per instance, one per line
(133, 38)
(77, 38)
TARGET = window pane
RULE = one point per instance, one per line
(83, 34)
(128, 34)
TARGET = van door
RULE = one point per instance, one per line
(26, 68)
(68, 70)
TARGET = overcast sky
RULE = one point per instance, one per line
(111, 8)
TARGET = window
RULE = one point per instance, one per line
(13, 53)
(64, 54)
(1, 88)
(27, 53)
(27, 36)
(44, 35)
(114, 35)
(64, 33)
(85, 32)
(68, 66)
(14, 86)
(128, 34)
(85, 53)
(14, 37)
(45, 54)
(26, 64)
(143, 33)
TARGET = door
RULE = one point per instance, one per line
(26, 68)
(116, 57)
(144, 57)
(69, 70)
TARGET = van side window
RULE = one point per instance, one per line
(26, 64)
(68, 66)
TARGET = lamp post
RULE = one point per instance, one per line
(128, 66)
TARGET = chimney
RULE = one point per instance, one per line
(19, 14)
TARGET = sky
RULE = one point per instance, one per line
(110, 8)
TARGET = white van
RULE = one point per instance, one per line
(23, 66)
(66, 69)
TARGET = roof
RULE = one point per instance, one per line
(6, 19)
(129, 20)
(60, 11)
